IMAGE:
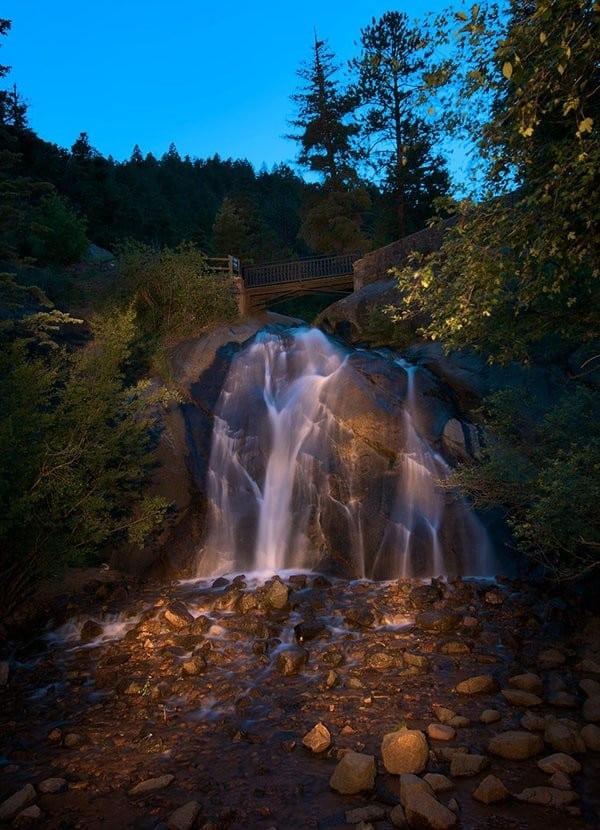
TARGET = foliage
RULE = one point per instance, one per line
(174, 291)
(335, 222)
(515, 269)
(56, 234)
(75, 446)
(544, 466)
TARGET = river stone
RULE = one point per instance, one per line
(437, 622)
(277, 594)
(372, 812)
(515, 745)
(405, 750)
(177, 616)
(184, 817)
(424, 810)
(528, 682)
(443, 714)
(591, 709)
(290, 660)
(382, 660)
(318, 739)
(309, 630)
(354, 773)
(4, 672)
(464, 765)
(536, 723)
(152, 784)
(398, 816)
(17, 802)
(490, 791)
(248, 601)
(441, 732)
(489, 716)
(480, 684)
(551, 658)
(459, 722)
(559, 762)
(455, 647)
(52, 785)
(563, 700)
(591, 736)
(410, 783)
(560, 781)
(590, 687)
(548, 796)
(518, 697)
(563, 736)
(363, 617)
(90, 631)
(417, 661)
(438, 783)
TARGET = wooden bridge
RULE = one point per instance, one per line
(257, 285)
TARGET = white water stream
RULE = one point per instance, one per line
(283, 464)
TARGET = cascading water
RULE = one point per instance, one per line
(312, 466)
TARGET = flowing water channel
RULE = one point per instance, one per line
(295, 482)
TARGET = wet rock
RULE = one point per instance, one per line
(290, 660)
(464, 765)
(194, 666)
(518, 697)
(177, 616)
(362, 617)
(398, 816)
(480, 684)
(72, 739)
(248, 601)
(405, 750)
(438, 783)
(17, 802)
(563, 736)
(276, 594)
(382, 660)
(318, 739)
(417, 661)
(547, 796)
(491, 791)
(52, 785)
(489, 716)
(528, 682)
(459, 722)
(441, 732)
(494, 597)
(590, 735)
(536, 723)
(591, 709)
(516, 745)
(423, 596)
(332, 656)
(551, 658)
(309, 630)
(354, 773)
(424, 810)
(437, 622)
(152, 784)
(200, 625)
(559, 762)
(563, 700)
(90, 630)
(184, 817)
(372, 812)
(455, 647)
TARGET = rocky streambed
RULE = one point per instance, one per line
(301, 701)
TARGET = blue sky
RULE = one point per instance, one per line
(212, 76)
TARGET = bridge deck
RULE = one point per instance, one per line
(300, 270)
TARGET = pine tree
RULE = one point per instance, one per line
(397, 144)
(325, 135)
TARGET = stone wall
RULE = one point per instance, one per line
(375, 265)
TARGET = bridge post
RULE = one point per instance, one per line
(236, 273)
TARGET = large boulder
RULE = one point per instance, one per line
(405, 751)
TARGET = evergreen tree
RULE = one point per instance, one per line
(397, 144)
(325, 135)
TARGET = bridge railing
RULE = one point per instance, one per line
(298, 270)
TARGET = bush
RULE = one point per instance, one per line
(56, 234)
(75, 446)
(544, 466)
(173, 290)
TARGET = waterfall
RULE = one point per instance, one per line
(305, 472)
